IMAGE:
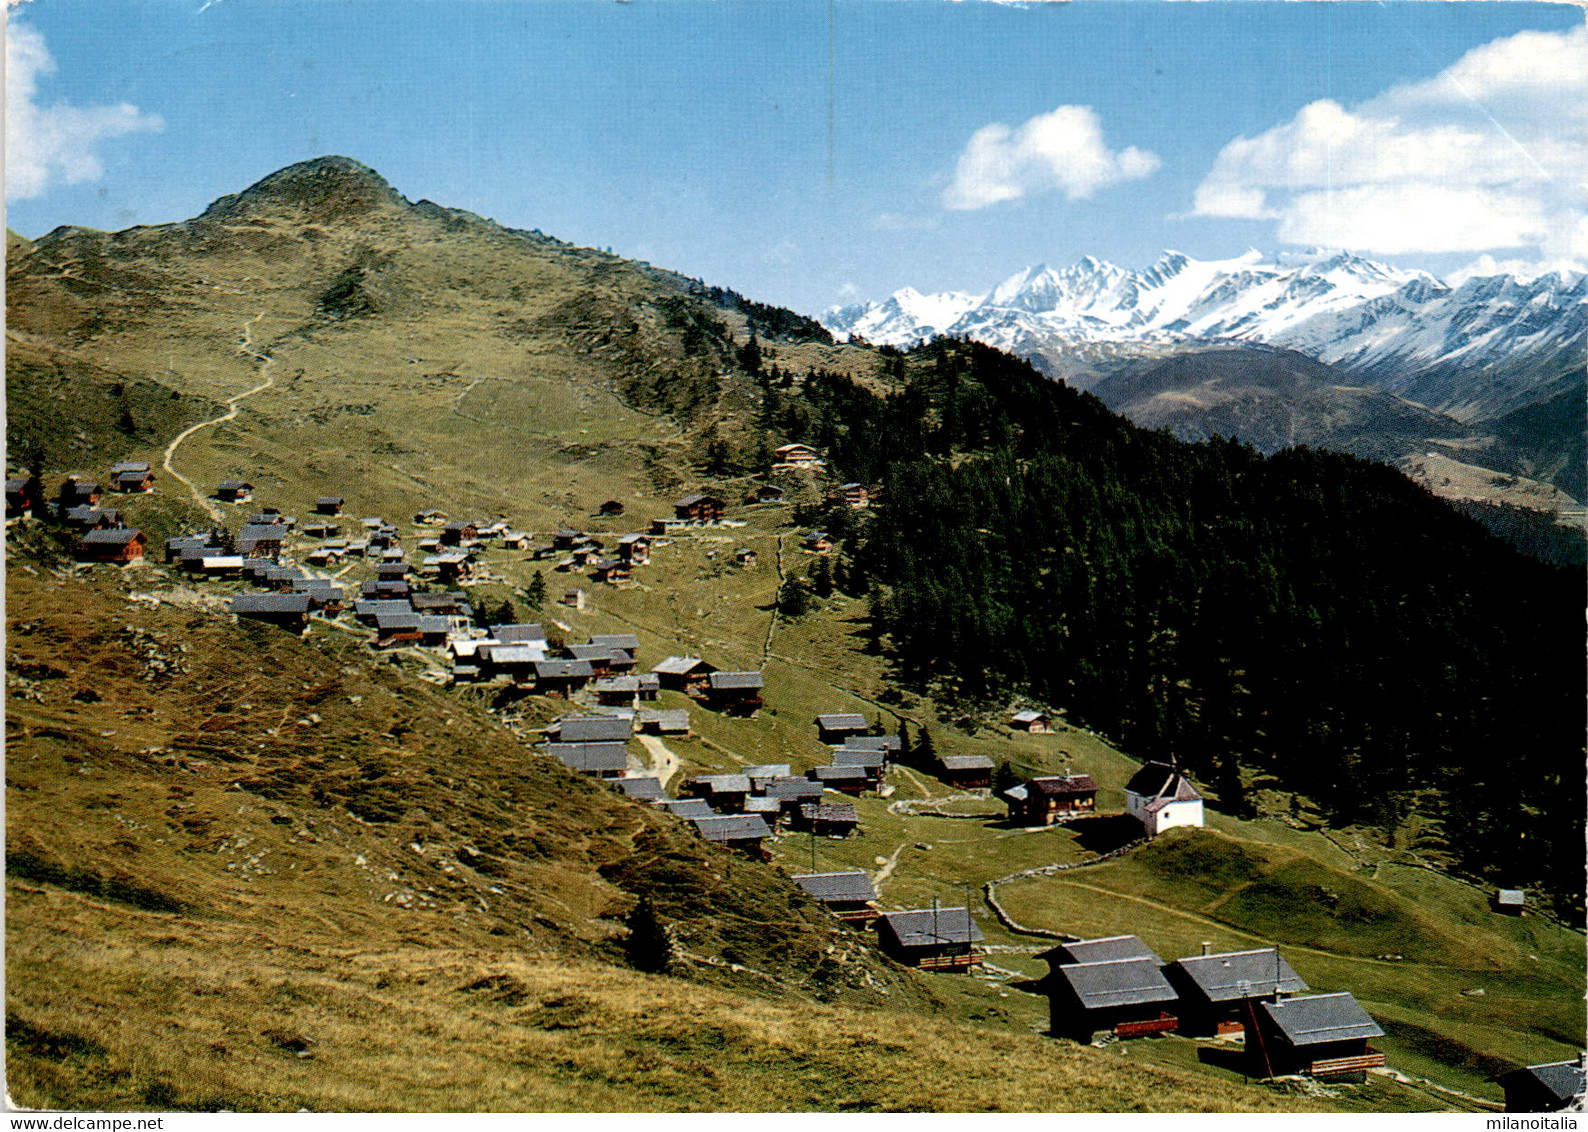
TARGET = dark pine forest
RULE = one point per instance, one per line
(1309, 617)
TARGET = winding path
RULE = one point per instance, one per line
(265, 362)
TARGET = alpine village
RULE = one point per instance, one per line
(452, 669)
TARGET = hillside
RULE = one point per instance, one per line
(417, 873)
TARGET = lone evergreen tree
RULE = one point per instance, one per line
(925, 752)
(822, 578)
(535, 592)
(793, 599)
(1004, 777)
(647, 945)
(506, 613)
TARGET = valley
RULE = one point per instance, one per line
(249, 869)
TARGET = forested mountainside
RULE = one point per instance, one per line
(1307, 615)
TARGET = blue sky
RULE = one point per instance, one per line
(803, 152)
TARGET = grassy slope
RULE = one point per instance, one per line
(483, 401)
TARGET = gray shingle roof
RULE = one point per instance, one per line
(246, 604)
(966, 762)
(723, 783)
(734, 680)
(646, 789)
(1511, 897)
(926, 927)
(678, 665)
(1101, 950)
(829, 811)
(518, 633)
(115, 537)
(873, 742)
(593, 728)
(627, 641)
(838, 773)
(732, 827)
(837, 887)
(858, 756)
(766, 770)
(1241, 974)
(841, 721)
(686, 808)
(791, 788)
(562, 668)
(1115, 982)
(1321, 1018)
(1564, 1079)
(589, 756)
(1059, 785)
(1162, 781)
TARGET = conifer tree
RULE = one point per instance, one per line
(647, 947)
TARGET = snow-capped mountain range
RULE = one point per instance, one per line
(1404, 330)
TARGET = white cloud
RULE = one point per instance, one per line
(1490, 154)
(1060, 150)
(46, 144)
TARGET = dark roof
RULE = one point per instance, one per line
(732, 827)
(569, 668)
(1101, 950)
(926, 927)
(966, 762)
(596, 652)
(1115, 982)
(841, 721)
(627, 641)
(873, 742)
(838, 773)
(518, 633)
(1321, 1018)
(270, 603)
(1241, 974)
(1160, 780)
(691, 500)
(132, 477)
(734, 680)
(233, 485)
(262, 530)
(858, 756)
(592, 728)
(834, 887)
(1063, 784)
(1563, 1079)
(646, 789)
(119, 536)
(791, 787)
(590, 756)
(686, 807)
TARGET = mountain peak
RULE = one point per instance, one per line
(324, 189)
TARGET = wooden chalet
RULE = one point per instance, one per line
(792, 792)
(744, 832)
(234, 491)
(635, 549)
(139, 479)
(699, 508)
(285, 611)
(519, 663)
(123, 545)
(430, 518)
(1554, 1087)
(396, 630)
(1321, 1035)
(683, 673)
(622, 691)
(449, 566)
(871, 760)
(854, 495)
(599, 760)
(456, 532)
(222, 565)
(611, 571)
(761, 773)
(889, 745)
(847, 895)
(660, 528)
(1036, 722)
(934, 939)
(744, 556)
(1043, 801)
(835, 727)
(1223, 988)
(176, 545)
(610, 507)
(76, 491)
(559, 677)
(328, 505)
(1127, 996)
(320, 530)
(967, 772)
(795, 457)
(574, 599)
(24, 496)
(260, 540)
(767, 493)
(725, 792)
(90, 518)
(826, 819)
(816, 542)
(734, 693)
